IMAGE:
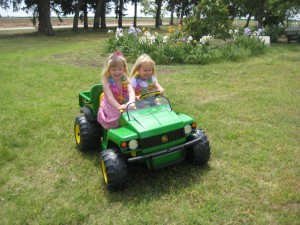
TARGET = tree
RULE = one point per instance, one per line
(103, 15)
(153, 7)
(158, 13)
(172, 10)
(97, 15)
(119, 11)
(76, 15)
(44, 15)
(211, 17)
(265, 12)
(41, 10)
(135, 12)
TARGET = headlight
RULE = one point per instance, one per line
(187, 129)
(133, 144)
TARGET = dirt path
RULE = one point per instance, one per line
(66, 22)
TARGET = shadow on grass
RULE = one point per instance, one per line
(147, 185)
(151, 185)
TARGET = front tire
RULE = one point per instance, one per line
(87, 134)
(114, 169)
(199, 153)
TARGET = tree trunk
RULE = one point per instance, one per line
(103, 14)
(45, 25)
(158, 13)
(85, 16)
(248, 19)
(76, 15)
(260, 13)
(181, 14)
(172, 5)
(135, 13)
(120, 20)
(97, 15)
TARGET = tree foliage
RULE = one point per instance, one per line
(203, 16)
(211, 17)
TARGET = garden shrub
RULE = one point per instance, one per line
(210, 17)
(274, 31)
(177, 46)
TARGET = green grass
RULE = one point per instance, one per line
(249, 110)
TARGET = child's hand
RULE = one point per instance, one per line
(162, 91)
(122, 107)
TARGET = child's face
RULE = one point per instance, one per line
(145, 71)
(116, 72)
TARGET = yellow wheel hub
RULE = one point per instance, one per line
(77, 134)
(104, 171)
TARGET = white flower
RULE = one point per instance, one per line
(260, 32)
(110, 31)
(205, 39)
(133, 31)
(152, 39)
(147, 34)
(143, 40)
(165, 39)
(190, 38)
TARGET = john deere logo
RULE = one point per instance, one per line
(164, 138)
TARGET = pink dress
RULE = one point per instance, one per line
(108, 116)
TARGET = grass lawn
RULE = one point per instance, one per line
(249, 110)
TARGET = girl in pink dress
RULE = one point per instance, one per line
(142, 76)
(118, 92)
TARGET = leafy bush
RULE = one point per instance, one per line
(275, 32)
(179, 47)
(210, 17)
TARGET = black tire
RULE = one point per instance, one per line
(114, 170)
(87, 134)
(199, 153)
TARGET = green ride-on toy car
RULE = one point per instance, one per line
(149, 133)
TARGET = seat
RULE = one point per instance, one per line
(96, 91)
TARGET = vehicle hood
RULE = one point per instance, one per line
(154, 124)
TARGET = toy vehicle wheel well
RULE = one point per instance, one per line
(111, 144)
(88, 113)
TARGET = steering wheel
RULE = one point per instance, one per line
(149, 94)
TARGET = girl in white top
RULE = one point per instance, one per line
(142, 76)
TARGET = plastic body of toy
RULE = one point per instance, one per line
(149, 133)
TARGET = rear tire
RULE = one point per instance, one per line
(199, 153)
(114, 169)
(87, 134)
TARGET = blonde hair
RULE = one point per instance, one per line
(114, 61)
(142, 59)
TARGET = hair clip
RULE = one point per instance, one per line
(117, 54)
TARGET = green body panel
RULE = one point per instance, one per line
(90, 98)
(117, 136)
(152, 124)
(139, 125)
(164, 159)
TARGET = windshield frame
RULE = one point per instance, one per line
(153, 102)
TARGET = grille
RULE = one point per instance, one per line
(157, 140)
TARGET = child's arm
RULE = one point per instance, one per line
(159, 88)
(131, 94)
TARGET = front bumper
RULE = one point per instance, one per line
(164, 152)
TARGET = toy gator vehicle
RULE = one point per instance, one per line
(150, 133)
